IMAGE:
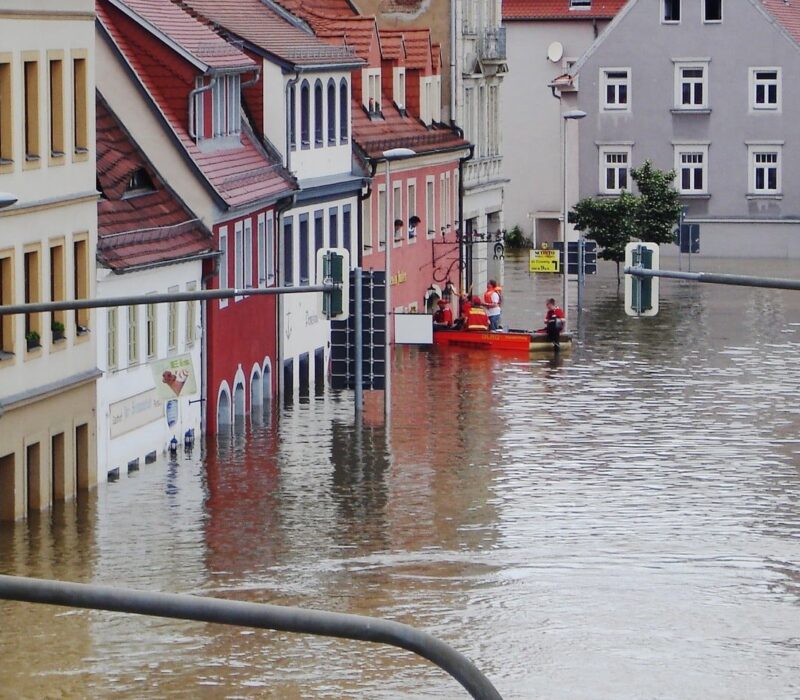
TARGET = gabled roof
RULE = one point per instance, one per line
(262, 25)
(239, 176)
(393, 47)
(787, 14)
(184, 34)
(419, 50)
(358, 33)
(139, 229)
(559, 9)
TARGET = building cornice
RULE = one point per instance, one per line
(56, 15)
(50, 203)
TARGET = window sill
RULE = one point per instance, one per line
(608, 109)
(693, 195)
(765, 195)
(692, 110)
(8, 357)
(33, 353)
(80, 155)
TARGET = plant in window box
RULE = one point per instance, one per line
(58, 330)
(33, 340)
(398, 230)
(413, 222)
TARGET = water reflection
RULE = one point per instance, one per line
(618, 521)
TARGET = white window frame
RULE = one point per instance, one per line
(223, 263)
(248, 253)
(612, 149)
(754, 83)
(690, 148)
(366, 243)
(430, 207)
(606, 81)
(721, 13)
(382, 232)
(764, 148)
(411, 207)
(691, 64)
(261, 244)
(191, 316)
(371, 87)
(173, 318)
(662, 8)
(238, 258)
(399, 87)
(112, 351)
(270, 255)
(397, 211)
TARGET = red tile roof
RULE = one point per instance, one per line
(242, 175)
(787, 14)
(333, 8)
(393, 47)
(196, 39)
(418, 47)
(359, 33)
(265, 27)
(559, 9)
(150, 228)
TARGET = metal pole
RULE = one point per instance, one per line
(197, 295)
(387, 392)
(564, 284)
(715, 278)
(581, 273)
(258, 615)
(359, 327)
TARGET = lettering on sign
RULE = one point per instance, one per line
(174, 376)
(399, 278)
(134, 412)
(544, 261)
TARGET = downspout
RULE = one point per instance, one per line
(453, 47)
(290, 128)
(192, 95)
(281, 206)
(204, 280)
(465, 265)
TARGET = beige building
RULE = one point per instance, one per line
(47, 252)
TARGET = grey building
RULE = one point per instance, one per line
(709, 88)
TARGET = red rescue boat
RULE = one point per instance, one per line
(501, 341)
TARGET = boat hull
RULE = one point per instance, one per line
(511, 341)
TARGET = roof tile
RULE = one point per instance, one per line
(787, 14)
(559, 9)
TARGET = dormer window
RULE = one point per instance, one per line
(399, 88)
(371, 91)
(580, 4)
(217, 108)
(139, 182)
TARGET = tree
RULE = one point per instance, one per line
(649, 216)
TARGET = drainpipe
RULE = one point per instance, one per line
(204, 280)
(453, 47)
(192, 95)
(290, 128)
(465, 265)
(281, 206)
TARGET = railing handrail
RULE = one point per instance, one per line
(258, 615)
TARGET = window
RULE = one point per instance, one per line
(80, 107)
(366, 213)
(691, 86)
(766, 88)
(765, 169)
(223, 263)
(371, 91)
(344, 111)
(430, 208)
(133, 335)
(56, 80)
(226, 106)
(248, 255)
(347, 233)
(111, 338)
(319, 230)
(331, 112)
(293, 118)
(615, 163)
(442, 202)
(57, 285)
(580, 4)
(494, 122)
(6, 132)
(381, 216)
(397, 210)
(616, 88)
(238, 258)
(262, 251)
(333, 227)
(305, 116)
(400, 87)
(412, 208)
(288, 251)
(151, 323)
(6, 298)
(139, 182)
(691, 164)
(31, 109)
(469, 118)
(270, 250)
(191, 316)
(712, 10)
(303, 225)
(80, 276)
(172, 322)
(318, 111)
(670, 10)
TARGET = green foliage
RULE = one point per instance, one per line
(57, 327)
(515, 238)
(649, 216)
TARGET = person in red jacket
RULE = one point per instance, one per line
(477, 319)
(554, 320)
(443, 318)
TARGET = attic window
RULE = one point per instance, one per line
(139, 183)
(580, 4)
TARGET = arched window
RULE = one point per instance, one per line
(293, 118)
(305, 116)
(318, 114)
(344, 111)
(331, 113)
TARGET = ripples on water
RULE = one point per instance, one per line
(621, 522)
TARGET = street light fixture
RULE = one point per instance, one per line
(569, 115)
(389, 156)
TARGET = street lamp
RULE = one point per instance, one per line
(7, 199)
(572, 114)
(389, 156)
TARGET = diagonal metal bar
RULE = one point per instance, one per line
(717, 278)
(258, 615)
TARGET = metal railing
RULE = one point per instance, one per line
(257, 615)
(717, 278)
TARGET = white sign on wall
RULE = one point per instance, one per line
(134, 412)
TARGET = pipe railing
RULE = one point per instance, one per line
(717, 278)
(257, 615)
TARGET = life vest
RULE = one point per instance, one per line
(487, 296)
(477, 320)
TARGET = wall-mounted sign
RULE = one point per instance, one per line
(544, 261)
(399, 278)
(172, 412)
(174, 376)
(134, 412)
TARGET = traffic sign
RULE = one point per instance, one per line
(688, 238)
(543, 260)
(641, 293)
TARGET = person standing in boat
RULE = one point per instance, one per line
(492, 301)
(554, 320)
(443, 318)
(477, 318)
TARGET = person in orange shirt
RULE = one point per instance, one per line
(492, 299)
(477, 319)
(443, 317)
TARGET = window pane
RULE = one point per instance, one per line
(759, 178)
(623, 178)
(686, 178)
(773, 178)
(304, 249)
(698, 179)
(623, 94)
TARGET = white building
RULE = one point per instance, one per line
(47, 248)
(148, 243)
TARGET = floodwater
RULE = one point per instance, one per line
(619, 522)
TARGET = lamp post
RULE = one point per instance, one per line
(389, 156)
(567, 116)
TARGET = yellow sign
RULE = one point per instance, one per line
(544, 261)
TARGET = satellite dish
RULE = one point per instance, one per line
(555, 51)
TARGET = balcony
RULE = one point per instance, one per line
(483, 171)
(492, 45)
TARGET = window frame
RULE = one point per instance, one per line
(151, 330)
(382, 203)
(6, 114)
(688, 148)
(55, 102)
(331, 112)
(663, 12)
(691, 64)
(304, 268)
(721, 13)
(411, 208)
(344, 111)
(238, 258)
(191, 316)
(112, 339)
(248, 254)
(224, 263)
(270, 237)
(261, 252)
(80, 104)
(305, 115)
(31, 110)
(753, 88)
(81, 282)
(430, 207)
(287, 231)
(606, 82)
(319, 114)
(173, 319)
(133, 335)
(397, 204)
(604, 151)
(7, 295)
(755, 149)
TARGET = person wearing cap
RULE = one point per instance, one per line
(443, 318)
(477, 319)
